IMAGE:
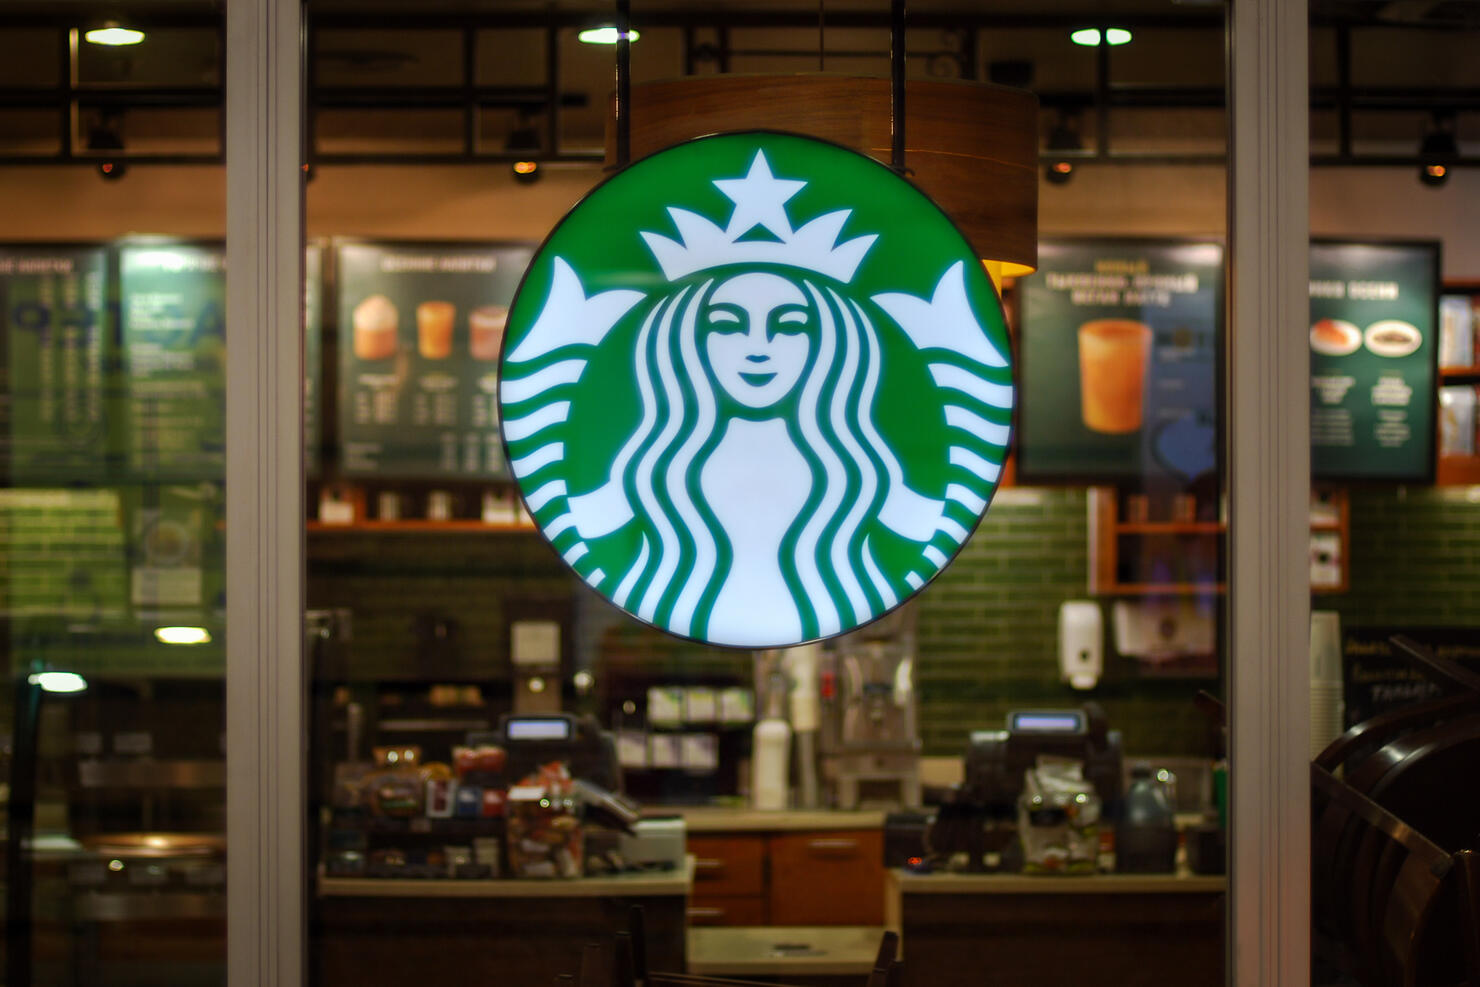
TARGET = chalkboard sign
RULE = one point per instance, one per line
(419, 329)
(1373, 360)
(1120, 351)
(55, 360)
(172, 300)
(1377, 679)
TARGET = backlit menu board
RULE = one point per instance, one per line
(1373, 360)
(55, 359)
(419, 329)
(1120, 341)
(172, 299)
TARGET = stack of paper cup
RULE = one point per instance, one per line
(1327, 708)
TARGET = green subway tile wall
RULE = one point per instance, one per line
(1415, 559)
(989, 635)
(988, 627)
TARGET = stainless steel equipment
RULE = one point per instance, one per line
(870, 750)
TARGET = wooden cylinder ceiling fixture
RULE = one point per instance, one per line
(972, 147)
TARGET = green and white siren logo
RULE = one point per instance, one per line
(756, 389)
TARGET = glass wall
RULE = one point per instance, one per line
(475, 638)
(1395, 632)
(112, 446)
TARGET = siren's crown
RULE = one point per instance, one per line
(760, 200)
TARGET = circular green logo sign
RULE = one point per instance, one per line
(756, 389)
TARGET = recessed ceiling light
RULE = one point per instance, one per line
(1090, 36)
(58, 681)
(182, 635)
(113, 34)
(605, 35)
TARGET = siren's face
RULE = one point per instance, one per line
(758, 334)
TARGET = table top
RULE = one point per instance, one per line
(639, 884)
(716, 819)
(783, 950)
(906, 882)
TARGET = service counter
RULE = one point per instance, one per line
(392, 932)
(1014, 930)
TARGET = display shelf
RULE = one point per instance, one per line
(1459, 375)
(421, 527)
(1170, 527)
(1455, 471)
(1119, 549)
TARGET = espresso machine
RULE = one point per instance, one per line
(869, 744)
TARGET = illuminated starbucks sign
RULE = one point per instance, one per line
(756, 389)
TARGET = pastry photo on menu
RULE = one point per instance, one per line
(1335, 337)
(376, 324)
(1393, 338)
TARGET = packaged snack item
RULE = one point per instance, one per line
(545, 834)
(1457, 420)
(396, 757)
(467, 801)
(398, 794)
(1456, 331)
(440, 793)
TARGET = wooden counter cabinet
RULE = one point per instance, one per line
(817, 877)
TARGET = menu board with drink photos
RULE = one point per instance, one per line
(56, 358)
(1120, 343)
(1373, 354)
(419, 328)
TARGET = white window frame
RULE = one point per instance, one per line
(1269, 472)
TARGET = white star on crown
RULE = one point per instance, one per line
(760, 200)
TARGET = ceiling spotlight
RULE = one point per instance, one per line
(1064, 143)
(114, 34)
(1090, 36)
(107, 135)
(606, 35)
(182, 635)
(1438, 151)
(525, 139)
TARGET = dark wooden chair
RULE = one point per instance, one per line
(1391, 907)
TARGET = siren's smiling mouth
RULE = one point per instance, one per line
(758, 378)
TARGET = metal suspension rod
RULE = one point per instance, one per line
(624, 83)
(896, 68)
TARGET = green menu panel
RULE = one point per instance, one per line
(1373, 352)
(55, 361)
(64, 555)
(1120, 348)
(419, 329)
(173, 304)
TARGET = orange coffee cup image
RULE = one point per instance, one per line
(486, 331)
(375, 326)
(1113, 354)
(434, 329)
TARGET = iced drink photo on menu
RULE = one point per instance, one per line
(434, 329)
(486, 331)
(375, 322)
(1112, 371)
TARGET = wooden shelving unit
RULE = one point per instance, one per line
(1121, 551)
(1459, 470)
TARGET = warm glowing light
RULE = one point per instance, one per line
(58, 681)
(1437, 171)
(1090, 36)
(526, 167)
(114, 35)
(182, 635)
(1062, 167)
(606, 36)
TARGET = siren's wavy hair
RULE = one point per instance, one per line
(825, 554)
